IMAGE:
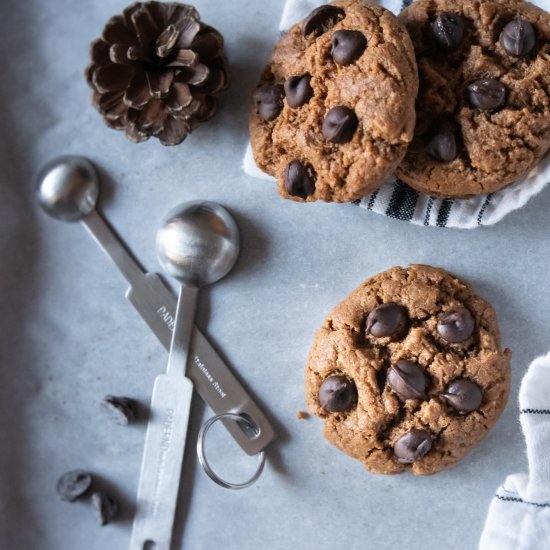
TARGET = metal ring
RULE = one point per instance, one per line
(204, 462)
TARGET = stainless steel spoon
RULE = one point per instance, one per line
(67, 189)
(197, 244)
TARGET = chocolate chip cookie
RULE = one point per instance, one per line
(407, 372)
(483, 110)
(333, 112)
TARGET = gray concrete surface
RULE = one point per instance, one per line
(68, 337)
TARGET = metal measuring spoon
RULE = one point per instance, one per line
(67, 189)
(197, 244)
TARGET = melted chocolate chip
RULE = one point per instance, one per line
(386, 320)
(448, 30)
(269, 101)
(456, 326)
(412, 446)
(337, 394)
(298, 90)
(442, 144)
(299, 180)
(322, 19)
(487, 94)
(463, 395)
(339, 125)
(518, 38)
(347, 46)
(407, 380)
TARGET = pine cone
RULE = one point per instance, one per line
(157, 71)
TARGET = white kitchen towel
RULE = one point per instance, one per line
(396, 199)
(519, 514)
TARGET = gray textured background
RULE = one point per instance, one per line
(68, 337)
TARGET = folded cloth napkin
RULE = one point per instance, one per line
(396, 199)
(519, 514)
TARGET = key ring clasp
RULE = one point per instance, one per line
(241, 419)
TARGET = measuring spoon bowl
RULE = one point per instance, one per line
(68, 188)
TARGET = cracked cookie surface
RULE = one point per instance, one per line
(395, 388)
(493, 143)
(333, 112)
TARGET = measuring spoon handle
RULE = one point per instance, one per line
(107, 239)
(162, 463)
(183, 330)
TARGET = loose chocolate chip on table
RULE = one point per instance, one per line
(386, 320)
(448, 30)
(518, 38)
(412, 446)
(298, 90)
(269, 101)
(337, 393)
(105, 507)
(321, 19)
(339, 125)
(347, 46)
(487, 94)
(456, 326)
(407, 380)
(122, 410)
(73, 485)
(442, 144)
(463, 395)
(299, 180)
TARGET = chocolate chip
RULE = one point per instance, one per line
(122, 410)
(337, 394)
(322, 19)
(518, 38)
(412, 446)
(73, 485)
(269, 101)
(105, 507)
(448, 30)
(463, 395)
(456, 326)
(347, 46)
(298, 90)
(442, 144)
(299, 180)
(386, 320)
(339, 125)
(487, 94)
(407, 380)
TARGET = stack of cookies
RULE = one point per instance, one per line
(453, 96)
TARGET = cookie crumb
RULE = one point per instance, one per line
(302, 415)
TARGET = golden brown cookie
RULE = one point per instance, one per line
(483, 110)
(407, 372)
(333, 112)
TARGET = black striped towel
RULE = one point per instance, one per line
(397, 200)
(519, 514)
